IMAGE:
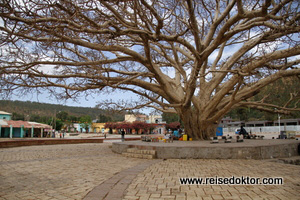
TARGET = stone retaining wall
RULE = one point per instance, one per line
(18, 143)
(216, 152)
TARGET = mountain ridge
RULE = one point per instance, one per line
(47, 109)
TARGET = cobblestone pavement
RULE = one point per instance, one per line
(71, 171)
(57, 171)
(161, 180)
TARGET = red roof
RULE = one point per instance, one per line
(26, 124)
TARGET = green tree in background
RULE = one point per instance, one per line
(17, 116)
(62, 115)
(170, 117)
(104, 118)
(57, 125)
(85, 122)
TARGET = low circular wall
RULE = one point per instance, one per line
(249, 149)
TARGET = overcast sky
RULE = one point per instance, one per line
(89, 101)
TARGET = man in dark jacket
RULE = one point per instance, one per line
(123, 135)
(243, 132)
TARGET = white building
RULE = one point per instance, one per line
(152, 119)
(133, 118)
(155, 119)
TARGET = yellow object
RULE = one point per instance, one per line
(185, 137)
(191, 139)
(164, 140)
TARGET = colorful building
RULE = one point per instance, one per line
(99, 128)
(5, 115)
(20, 129)
(79, 128)
(10, 128)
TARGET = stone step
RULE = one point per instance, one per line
(137, 153)
(134, 155)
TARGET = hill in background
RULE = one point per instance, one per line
(28, 108)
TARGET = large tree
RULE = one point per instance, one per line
(197, 58)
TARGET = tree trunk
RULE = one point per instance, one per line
(195, 127)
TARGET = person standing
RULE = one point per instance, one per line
(123, 135)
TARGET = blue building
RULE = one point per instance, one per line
(81, 129)
(5, 115)
(19, 129)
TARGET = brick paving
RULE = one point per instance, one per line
(161, 180)
(115, 187)
(58, 171)
(83, 170)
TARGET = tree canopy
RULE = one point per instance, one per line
(85, 122)
(104, 118)
(199, 59)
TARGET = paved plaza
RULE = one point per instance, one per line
(57, 171)
(161, 180)
(73, 171)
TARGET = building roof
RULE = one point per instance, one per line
(238, 122)
(26, 124)
(290, 120)
(257, 122)
(137, 115)
(4, 113)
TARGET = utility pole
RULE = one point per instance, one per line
(54, 120)
(279, 122)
